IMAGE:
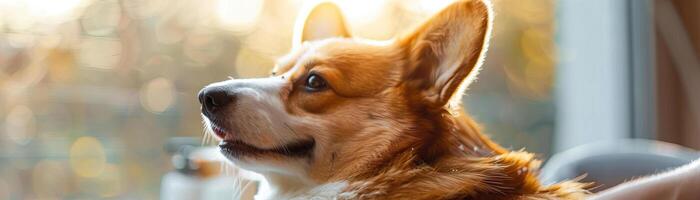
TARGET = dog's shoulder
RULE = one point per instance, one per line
(510, 175)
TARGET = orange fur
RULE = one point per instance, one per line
(420, 162)
(389, 125)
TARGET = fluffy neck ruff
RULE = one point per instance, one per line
(456, 161)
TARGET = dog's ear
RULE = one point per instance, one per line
(321, 21)
(445, 52)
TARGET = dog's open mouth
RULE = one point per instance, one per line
(218, 131)
(237, 149)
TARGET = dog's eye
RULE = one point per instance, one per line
(315, 83)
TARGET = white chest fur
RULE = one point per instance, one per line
(320, 192)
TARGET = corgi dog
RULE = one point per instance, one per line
(349, 118)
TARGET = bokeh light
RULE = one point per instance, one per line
(20, 125)
(531, 11)
(157, 95)
(101, 18)
(140, 9)
(62, 64)
(168, 32)
(87, 157)
(23, 15)
(202, 47)
(110, 181)
(99, 53)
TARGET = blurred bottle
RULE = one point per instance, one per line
(200, 173)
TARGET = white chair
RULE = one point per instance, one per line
(609, 163)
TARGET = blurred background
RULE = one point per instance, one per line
(92, 90)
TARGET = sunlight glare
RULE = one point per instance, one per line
(239, 14)
(361, 11)
(52, 7)
(87, 157)
(427, 6)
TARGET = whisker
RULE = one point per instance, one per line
(207, 136)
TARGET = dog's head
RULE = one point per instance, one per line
(336, 103)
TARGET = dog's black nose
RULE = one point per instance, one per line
(215, 98)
